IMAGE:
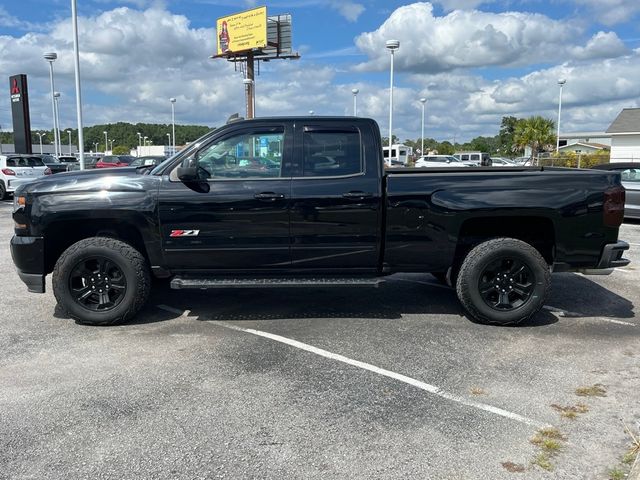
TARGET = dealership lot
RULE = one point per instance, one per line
(319, 383)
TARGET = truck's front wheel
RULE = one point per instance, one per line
(101, 281)
(503, 281)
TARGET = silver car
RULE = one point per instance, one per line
(630, 176)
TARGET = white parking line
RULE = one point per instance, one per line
(172, 310)
(387, 373)
(567, 314)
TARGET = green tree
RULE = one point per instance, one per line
(535, 132)
(506, 142)
(121, 150)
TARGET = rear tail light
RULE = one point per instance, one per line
(8, 171)
(613, 208)
(47, 171)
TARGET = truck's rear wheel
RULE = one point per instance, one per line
(503, 281)
(101, 281)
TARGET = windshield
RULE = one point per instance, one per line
(48, 159)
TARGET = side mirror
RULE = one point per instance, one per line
(188, 174)
(448, 161)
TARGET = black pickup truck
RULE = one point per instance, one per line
(304, 202)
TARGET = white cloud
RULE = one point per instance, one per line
(471, 39)
(348, 9)
(610, 12)
(593, 92)
(601, 45)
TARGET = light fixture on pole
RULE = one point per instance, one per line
(169, 137)
(56, 98)
(106, 142)
(144, 141)
(422, 101)
(95, 146)
(310, 112)
(355, 101)
(392, 46)
(139, 143)
(561, 82)
(69, 132)
(51, 57)
(111, 146)
(173, 124)
(40, 135)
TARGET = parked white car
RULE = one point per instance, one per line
(16, 169)
(502, 162)
(440, 161)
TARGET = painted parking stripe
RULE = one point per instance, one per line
(386, 373)
(567, 314)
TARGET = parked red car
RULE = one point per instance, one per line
(111, 161)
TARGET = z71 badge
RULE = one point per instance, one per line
(184, 233)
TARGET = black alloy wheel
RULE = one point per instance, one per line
(506, 284)
(97, 284)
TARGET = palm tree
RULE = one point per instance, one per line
(535, 132)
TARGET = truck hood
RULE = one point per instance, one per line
(112, 179)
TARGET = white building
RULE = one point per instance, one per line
(625, 136)
(569, 138)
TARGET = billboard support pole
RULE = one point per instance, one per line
(250, 86)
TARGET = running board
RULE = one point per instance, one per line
(181, 283)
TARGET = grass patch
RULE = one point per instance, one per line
(570, 411)
(616, 474)
(628, 458)
(550, 442)
(477, 391)
(543, 461)
(513, 467)
(596, 390)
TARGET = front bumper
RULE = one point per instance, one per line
(28, 257)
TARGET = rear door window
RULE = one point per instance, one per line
(331, 152)
(464, 157)
(475, 156)
(631, 175)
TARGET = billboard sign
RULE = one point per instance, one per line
(242, 31)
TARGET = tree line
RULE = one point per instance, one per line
(513, 136)
(124, 135)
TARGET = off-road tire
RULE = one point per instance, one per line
(479, 258)
(130, 261)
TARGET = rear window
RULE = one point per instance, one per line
(329, 153)
(25, 162)
(631, 175)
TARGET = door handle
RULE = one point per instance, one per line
(270, 196)
(357, 195)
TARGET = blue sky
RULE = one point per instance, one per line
(473, 60)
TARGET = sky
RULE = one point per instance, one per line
(474, 61)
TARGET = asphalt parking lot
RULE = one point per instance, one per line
(321, 383)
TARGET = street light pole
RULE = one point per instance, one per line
(56, 97)
(51, 57)
(355, 101)
(173, 124)
(561, 82)
(69, 132)
(392, 46)
(76, 54)
(422, 101)
(40, 135)
(106, 142)
(139, 143)
(169, 137)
